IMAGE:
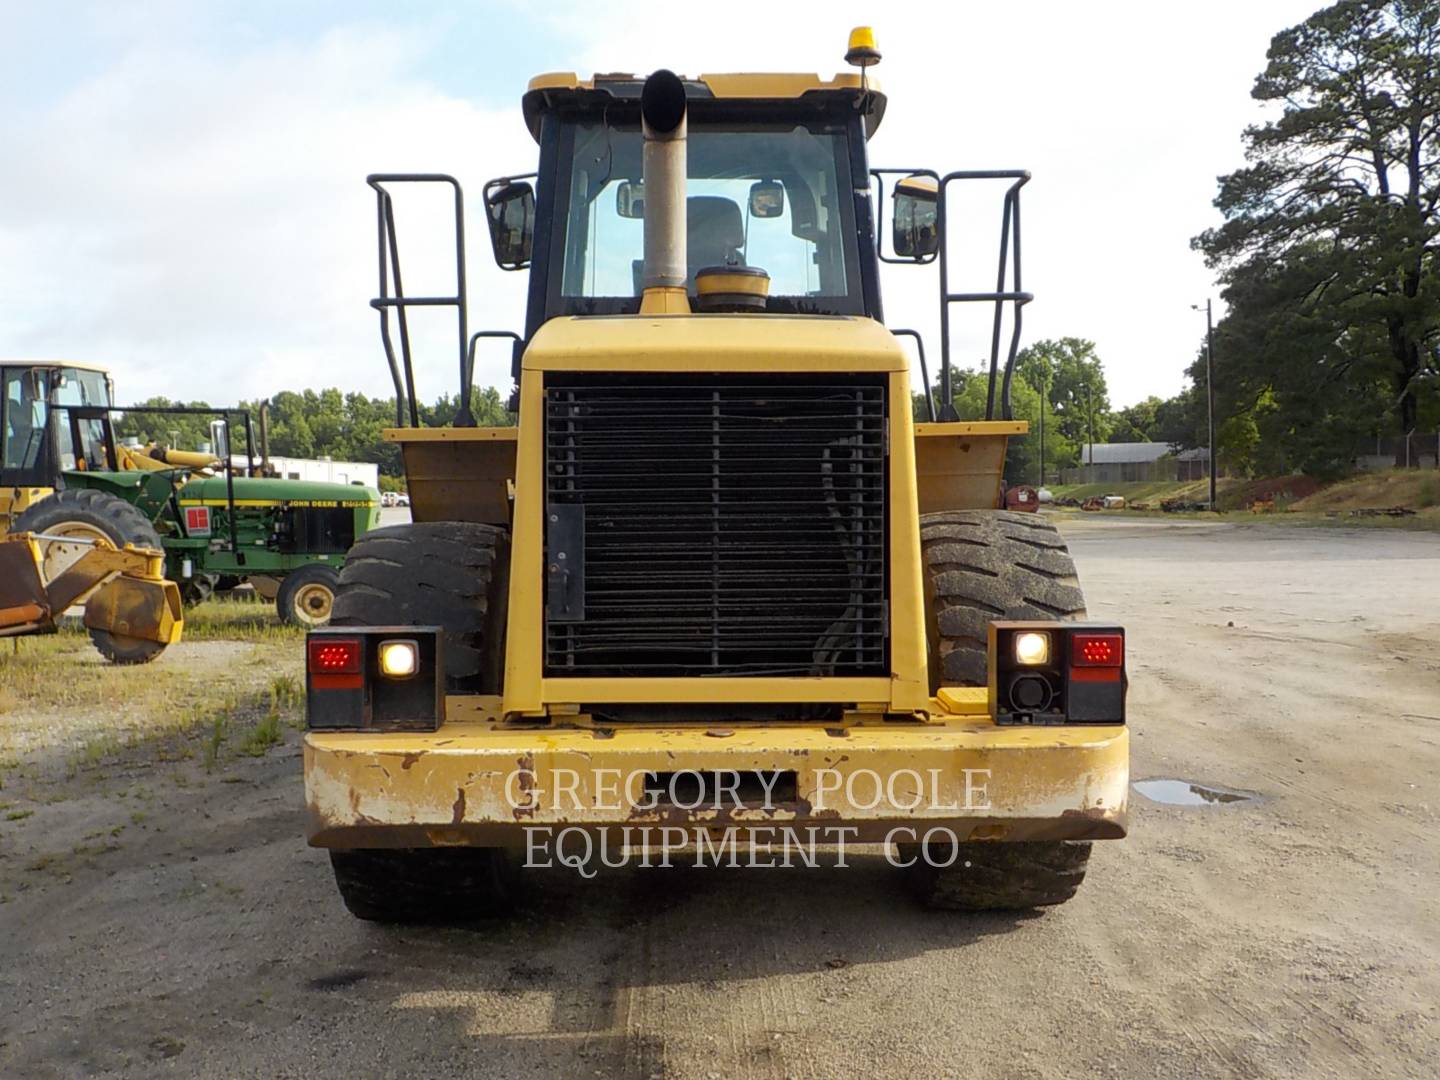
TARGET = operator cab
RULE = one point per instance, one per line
(39, 436)
(776, 184)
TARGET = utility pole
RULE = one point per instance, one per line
(1210, 396)
(1044, 400)
(1090, 424)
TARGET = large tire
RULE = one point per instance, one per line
(454, 575)
(425, 885)
(450, 574)
(86, 514)
(982, 566)
(986, 565)
(996, 875)
(307, 596)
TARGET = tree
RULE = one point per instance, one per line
(1022, 454)
(165, 429)
(1068, 370)
(1136, 423)
(1329, 247)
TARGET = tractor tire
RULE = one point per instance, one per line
(994, 875)
(88, 514)
(988, 565)
(197, 589)
(450, 574)
(982, 566)
(425, 885)
(307, 596)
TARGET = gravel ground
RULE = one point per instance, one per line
(159, 920)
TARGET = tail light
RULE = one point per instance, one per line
(1057, 673)
(374, 678)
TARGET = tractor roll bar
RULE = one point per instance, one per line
(107, 412)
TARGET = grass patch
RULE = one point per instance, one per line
(1415, 488)
(265, 734)
(19, 815)
(238, 618)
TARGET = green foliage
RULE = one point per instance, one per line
(1329, 246)
(1069, 372)
(186, 432)
(310, 423)
(1022, 456)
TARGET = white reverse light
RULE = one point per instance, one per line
(1032, 648)
(399, 659)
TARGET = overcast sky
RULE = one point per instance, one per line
(183, 184)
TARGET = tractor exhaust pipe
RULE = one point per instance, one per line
(662, 119)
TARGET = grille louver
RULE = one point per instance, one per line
(722, 527)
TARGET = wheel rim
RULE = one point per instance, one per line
(312, 604)
(57, 556)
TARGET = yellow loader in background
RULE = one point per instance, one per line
(126, 598)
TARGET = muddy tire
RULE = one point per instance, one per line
(984, 565)
(85, 513)
(425, 885)
(307, 596)
(450, 574)
(120, 649)
(995, 875)
(197, 589)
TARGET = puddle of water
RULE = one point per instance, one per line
(1184, 793)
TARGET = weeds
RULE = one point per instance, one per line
(215, 741)
(265, 734)
(19, 815)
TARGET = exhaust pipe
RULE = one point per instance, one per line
(662, 119)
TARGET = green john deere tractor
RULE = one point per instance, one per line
(65, 478)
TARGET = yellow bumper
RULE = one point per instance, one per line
(475, 781)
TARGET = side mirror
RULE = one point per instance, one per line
(767, 199)
(630, 199)
(916, 226)
(510, 211)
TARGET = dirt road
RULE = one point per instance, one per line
(1293, 936)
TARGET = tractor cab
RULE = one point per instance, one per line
(46, 426)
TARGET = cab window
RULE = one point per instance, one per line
(25, 410)
(800, 238)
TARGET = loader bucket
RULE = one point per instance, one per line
(137, 608)
(124, 592)
(24, 608)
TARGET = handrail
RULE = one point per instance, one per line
(389, 269)
(1014, 294)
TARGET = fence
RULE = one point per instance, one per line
(1416, 450)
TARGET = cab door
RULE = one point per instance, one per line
(27, 438)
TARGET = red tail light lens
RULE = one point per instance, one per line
(1097, 650)
(334, 656)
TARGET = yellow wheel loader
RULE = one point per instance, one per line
(716, 596)
(131, 611)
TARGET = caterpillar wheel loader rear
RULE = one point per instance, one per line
(716, 592)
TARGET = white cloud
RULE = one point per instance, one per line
(195, 216)
(200, 222)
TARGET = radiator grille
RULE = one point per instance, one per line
(729, 527)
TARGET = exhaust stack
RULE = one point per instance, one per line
(662, 119)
